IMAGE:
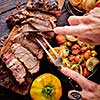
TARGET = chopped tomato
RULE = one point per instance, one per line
(87, 54)
(75, 49)
(84, 49)
(83, 64)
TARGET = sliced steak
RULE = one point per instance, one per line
(23, 14)
(39, 23)
(50, 6)
(29, 44)
(28, 40)
(26, 57)
(15, 66)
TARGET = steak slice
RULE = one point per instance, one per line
(39, 23)
(26, 57)
(50, 6)
(15, 66)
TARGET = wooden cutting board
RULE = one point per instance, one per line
(7, 7)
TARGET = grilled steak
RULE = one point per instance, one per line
(46, 6)
(50, 6)
(7, 81)
(20, 52)
(15, 66)
(26, 57)
(28, 41)
(31, 46)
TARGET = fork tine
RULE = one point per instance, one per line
(58, 60)
(52, 59)
(56, 54)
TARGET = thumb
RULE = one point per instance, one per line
(74, 95)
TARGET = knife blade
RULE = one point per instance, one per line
(35, 31)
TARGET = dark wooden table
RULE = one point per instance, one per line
(7, 7)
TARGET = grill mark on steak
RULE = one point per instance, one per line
(15, 66)
(8, 42)
(26, 57)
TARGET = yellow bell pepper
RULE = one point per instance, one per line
(46, 87)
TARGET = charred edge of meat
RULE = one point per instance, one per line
(35, 25)
(13, 21)
(8, 43)
(46, 5)
(55, 13)
(38, 23)
(17, 18)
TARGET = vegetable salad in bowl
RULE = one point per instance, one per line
(76, 55)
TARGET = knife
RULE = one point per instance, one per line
(35, 31)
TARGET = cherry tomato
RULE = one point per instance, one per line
(60, 39)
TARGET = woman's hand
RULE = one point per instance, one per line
(86, 27)
(90, 90)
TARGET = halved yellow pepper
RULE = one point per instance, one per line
(46, 87)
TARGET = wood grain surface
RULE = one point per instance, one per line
(7, 7)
